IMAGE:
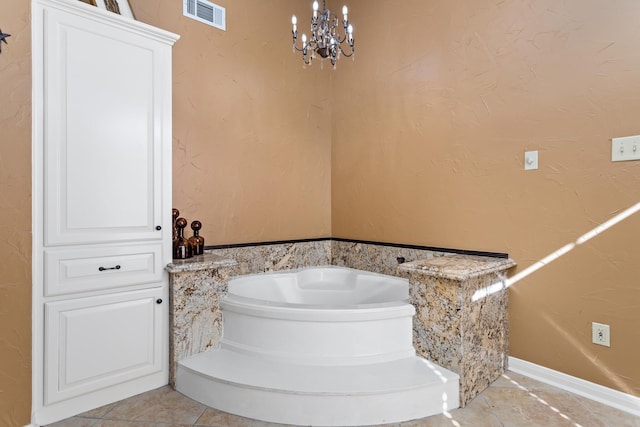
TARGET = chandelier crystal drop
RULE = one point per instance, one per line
(324, 41)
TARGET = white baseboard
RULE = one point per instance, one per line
(608, 396)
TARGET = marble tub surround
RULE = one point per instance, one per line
(368, 256)
(196, 286)
(459, 267)
(377, 258)
(252, 259)
(469, 338)
(205, 261)
(452, 326)
(383, 257)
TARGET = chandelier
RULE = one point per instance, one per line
(324, 41)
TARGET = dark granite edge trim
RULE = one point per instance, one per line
(367, 242)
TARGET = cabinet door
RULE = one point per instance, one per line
(97, 342)
(104, 91)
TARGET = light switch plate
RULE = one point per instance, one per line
(625, 148)
(530, 160)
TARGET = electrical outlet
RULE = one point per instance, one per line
(600, 334)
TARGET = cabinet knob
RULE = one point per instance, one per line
(159, 301)
(158, 227)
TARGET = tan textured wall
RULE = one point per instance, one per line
(427, 126)
(15, 215)
(430, 124)
(252, 130)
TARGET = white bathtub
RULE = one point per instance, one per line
(319, 346)
(321, 287)
(324, 315)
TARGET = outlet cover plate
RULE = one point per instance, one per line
(600, 334)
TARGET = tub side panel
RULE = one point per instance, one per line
(307, 336)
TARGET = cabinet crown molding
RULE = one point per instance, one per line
(88, 11)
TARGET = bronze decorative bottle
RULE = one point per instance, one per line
(181, 246)
(197, 241)
(175, 213)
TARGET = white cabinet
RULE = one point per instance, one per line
(101, 207)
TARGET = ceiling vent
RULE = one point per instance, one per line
(206, 12)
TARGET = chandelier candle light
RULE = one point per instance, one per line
(324, 40)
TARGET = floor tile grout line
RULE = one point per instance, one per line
(491, 410)
(582, 402)
(114, 407)
(204, 409)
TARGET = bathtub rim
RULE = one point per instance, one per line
(298, 311)
(317, 313)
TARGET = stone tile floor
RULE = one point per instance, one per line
(512, 401)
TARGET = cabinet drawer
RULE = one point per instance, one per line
(91, 269)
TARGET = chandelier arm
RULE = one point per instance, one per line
(295, 39)
(345, 53)
(298, 48)
(341, 40)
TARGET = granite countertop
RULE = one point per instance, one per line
(458, 267)
(200, 262)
